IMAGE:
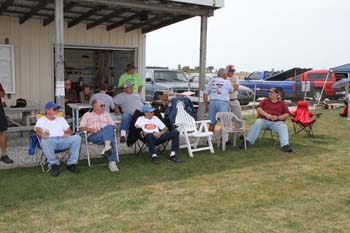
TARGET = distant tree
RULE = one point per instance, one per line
(179, 66)
(186, 69)
(210, 69)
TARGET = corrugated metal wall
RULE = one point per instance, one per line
(33, 45)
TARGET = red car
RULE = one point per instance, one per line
(318, 77)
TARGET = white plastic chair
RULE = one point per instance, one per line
(189, 128)
(230, 123)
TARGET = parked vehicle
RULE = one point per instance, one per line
(318, 77)
(263, 81)
(159, 80)
(245, 94)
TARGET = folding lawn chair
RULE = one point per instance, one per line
(302, 119)
(137, 140)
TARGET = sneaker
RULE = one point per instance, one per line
(73, 168)
(55, 170)
(242, 145)
(107, 151)
(155, 160)
(113, 166)
(174, 159)
(287, 148)
(122, 139)
(6, 159)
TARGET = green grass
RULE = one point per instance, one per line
(258, 190)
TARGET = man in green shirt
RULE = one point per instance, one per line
(132, 77)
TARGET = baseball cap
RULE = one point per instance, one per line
(230, 68)
(130, 66)
(147, 108)
(128, 84)
(50, 105)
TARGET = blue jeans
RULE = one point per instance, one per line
(152, 141)
(52, 144)
(106, 134)
(125, 122)
(276, 126)
(216, 106)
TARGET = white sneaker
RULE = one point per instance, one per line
(113, 166)
(107, 151)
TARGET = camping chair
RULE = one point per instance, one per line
(36, 150)
(189, 128)
(85, 136)
(137, 140)
(302, 119)
(228, 126)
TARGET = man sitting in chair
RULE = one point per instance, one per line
(55, 134)
(99, 126)
(155, 132)
(272, 112)
(129, 102)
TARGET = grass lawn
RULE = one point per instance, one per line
(258, 190)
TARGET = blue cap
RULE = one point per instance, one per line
(50, 105)
(147, 108)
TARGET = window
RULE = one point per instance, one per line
(315, 77)
(169, 76)
(254, 76)
(7, 68)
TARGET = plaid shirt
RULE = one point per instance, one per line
(95, 121)
(71, 96)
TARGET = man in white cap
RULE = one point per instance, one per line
(234, 102)
(155, 132)
(128, 102)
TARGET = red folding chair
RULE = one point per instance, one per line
(303, 119)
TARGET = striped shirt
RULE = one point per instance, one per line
(96, 121)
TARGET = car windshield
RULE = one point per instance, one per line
(169, 76)
(195, 79)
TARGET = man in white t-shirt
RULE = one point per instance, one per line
(155, 132)
(56, 135)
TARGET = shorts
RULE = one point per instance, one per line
(216, 106)
(3, 120)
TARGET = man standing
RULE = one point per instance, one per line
(99, 126)
(128, 102)
(3, 129)
(272, 112)
(155, 132)
(55, 134)
(234, 102)
(105, 98)
(132, 77)
(218, 90)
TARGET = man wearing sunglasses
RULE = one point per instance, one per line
(272, 112)
(56, 135)
(99, 126)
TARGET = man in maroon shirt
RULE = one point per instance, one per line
(272, 112)
(3, 128)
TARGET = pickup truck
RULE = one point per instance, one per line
(265, 80)
(159, 80)
(318, 77)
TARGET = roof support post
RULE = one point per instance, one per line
(59, 54)
(202, 65)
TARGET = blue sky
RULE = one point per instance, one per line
(255, 34)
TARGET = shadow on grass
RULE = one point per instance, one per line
(28, 186)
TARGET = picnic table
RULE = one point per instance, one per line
(21, 118)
